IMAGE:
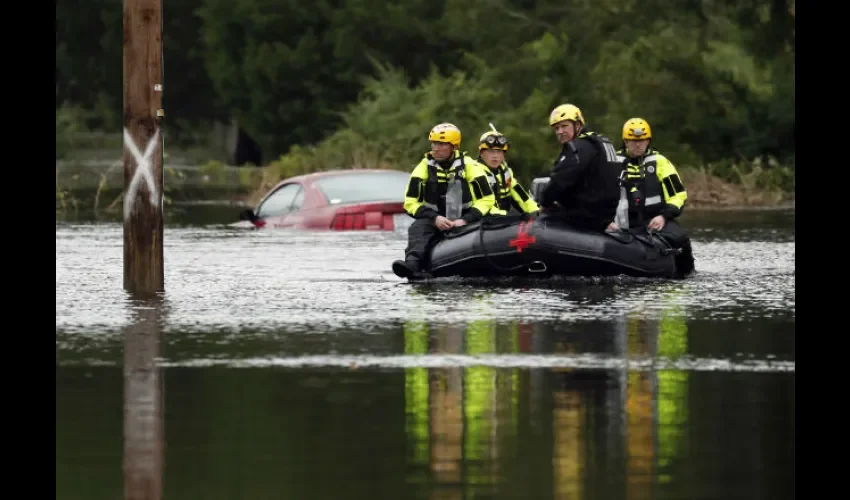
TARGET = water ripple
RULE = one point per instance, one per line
(583, 362)
(266, 280)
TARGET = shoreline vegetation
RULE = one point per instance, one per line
(98, 186)
(714, 79)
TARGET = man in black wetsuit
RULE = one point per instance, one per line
(585, 179)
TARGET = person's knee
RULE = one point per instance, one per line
(674, 233)
(685, 262)
(420, 232)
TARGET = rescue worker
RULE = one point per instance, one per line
(492, 149)
(654, 190)
(585, 178)
(447, 189)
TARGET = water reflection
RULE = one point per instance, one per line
(438, 414)
(615, 433)
(453, 418)
(143, 401)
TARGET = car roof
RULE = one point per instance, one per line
(309, 178)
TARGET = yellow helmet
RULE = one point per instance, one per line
(636, 129)
(493, 140)
(566, 112)
(445, 132)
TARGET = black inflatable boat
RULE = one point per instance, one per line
(547, 245)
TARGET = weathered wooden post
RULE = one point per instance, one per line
(143, 181)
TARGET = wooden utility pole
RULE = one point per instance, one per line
(143, 181)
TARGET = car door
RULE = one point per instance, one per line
(280, 208)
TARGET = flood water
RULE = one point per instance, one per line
(296, 365)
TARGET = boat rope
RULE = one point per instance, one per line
(491, 225)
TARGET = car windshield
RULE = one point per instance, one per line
(358, 187)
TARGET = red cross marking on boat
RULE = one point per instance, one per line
(522, 239)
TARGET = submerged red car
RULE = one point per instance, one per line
(362, 199)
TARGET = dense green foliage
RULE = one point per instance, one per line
(362, 81)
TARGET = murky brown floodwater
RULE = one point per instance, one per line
(296, 365)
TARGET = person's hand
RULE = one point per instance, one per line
(612, 226)
(458, 223)
(551, 209)
(657, 223)
(442, 223)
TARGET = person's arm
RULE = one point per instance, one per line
(567, 173)
(483, 199)
(521, 199)
(414, 198)
(675, 194)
